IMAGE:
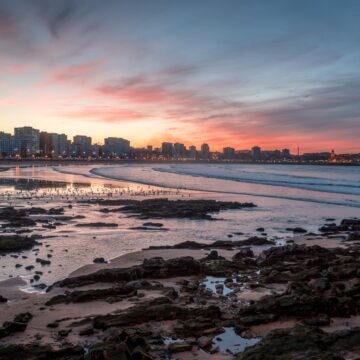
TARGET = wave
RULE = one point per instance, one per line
(294, 182)
(103, 172)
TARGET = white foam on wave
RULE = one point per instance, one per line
(154, 175)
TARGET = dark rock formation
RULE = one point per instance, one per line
(97, 224)
(165, 208)
(303, 343)
(10, 243)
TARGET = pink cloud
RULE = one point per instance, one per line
(80, 72)
(107, 114)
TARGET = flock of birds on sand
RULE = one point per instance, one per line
(79, 193)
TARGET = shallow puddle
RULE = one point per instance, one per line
(229, 341)
(211, 282)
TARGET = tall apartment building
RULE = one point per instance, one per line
(179, 149)
(167, 149)
(229, 153)
(205, 151)
(81, 146)
(114, 146)
(53, 145)
(256, 153)
(29, 139)
(9, 145)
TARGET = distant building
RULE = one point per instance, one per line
(81, 146)
(53, 145)
(192, 152)
(228, 153)
(167, 149)
(9, 145)
(29, 139)
(96, 150)
(205, 151)
(286, 153)
(179, 149)
(243, 155)
(321, 157)
(333, 157)
(61, 147)
(256, 153)
(270, 155)
(114, 146)
(149, 149)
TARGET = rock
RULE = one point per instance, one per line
(43, 262)
(165, 208)
(63, 333)
(29, 267)
(355, 236)
(56, 211)
(219, 289)
(97, 224)
(297, 230)
(205, 342)
(99, 260)
(320, 320)
(80, 296)
(17, 325)
(41, 286)
(3, 299)
(260, 229)
(214, 256)
(298, 343)
(256, 241)
(36, 351)
(352, 224)
(158, 309)
(154, 224)
(246, 252)
(155, 268)
(9, 243)
(179, 347)
(87, 330)
(53, 325)
(23, 317)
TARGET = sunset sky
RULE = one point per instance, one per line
(273, 73)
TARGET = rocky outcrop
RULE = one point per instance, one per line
(79, 296)
(165, 208)
(150, 268)
(11, 243)
(303, 343)
(97, 225)
(159, 309)
(19, 324)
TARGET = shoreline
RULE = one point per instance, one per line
(42, 162)
(181, 291)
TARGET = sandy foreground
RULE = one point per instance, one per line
(66, 314)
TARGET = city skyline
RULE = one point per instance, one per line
(279, 74)
(30, 143)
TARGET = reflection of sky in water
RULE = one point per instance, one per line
(230, 341)
(210, 283)
(170, 340)
(74, 247)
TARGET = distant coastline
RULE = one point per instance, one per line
(42, 162)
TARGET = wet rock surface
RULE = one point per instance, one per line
(11, 243)
(165, 208)
(164, 307)
(303, 342)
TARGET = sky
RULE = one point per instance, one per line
(273, 73)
